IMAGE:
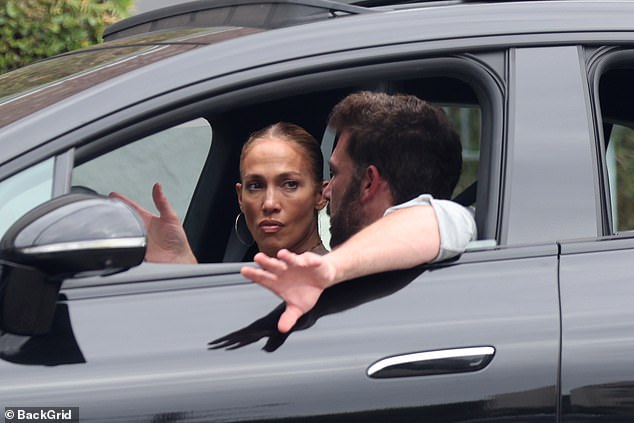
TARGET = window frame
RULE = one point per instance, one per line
(481, 72)
(600, 62)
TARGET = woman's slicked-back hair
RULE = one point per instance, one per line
(292, 133)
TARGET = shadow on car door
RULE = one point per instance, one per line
(145, 338)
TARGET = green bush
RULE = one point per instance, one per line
(35, 29)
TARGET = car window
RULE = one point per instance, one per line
(466, 120)
(23, 191)
(173, 157)
(51, 80)
(200, 182)
(616, 90)
(620, 166)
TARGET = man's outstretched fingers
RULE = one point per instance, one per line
(269, 263)
(305, 260)
(289, 318)
(259, 276)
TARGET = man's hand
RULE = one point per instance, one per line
(167, 241)
(298, 279)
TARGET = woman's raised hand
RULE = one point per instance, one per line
(166, 238)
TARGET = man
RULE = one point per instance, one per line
(394, 168)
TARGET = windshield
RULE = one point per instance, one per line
(43, 83)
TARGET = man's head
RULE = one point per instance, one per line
(391, 149)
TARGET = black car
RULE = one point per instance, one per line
(531, 323)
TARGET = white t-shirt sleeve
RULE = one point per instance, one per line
(456, 224)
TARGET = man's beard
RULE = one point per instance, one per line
(347, 220)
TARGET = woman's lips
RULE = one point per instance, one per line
(270, 226)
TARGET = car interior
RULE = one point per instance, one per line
(211, 208)
(616, 94)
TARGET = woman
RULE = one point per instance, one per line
(280, 189)
(279, 193)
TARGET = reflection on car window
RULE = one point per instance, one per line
(466, 120)
(620, 165)
(616, 91)
(174, 157)
(22, 192)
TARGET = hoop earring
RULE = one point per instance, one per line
(235, 228)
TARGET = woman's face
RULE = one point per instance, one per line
(278, 196)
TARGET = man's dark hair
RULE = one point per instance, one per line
(411, 142)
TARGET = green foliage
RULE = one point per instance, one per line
(35, 29)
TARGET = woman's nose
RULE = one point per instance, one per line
(271, 202)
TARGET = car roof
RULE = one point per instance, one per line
(488, 23)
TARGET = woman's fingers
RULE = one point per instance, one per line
(162, 204)
(145, 215)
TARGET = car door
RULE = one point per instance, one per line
(596, 292)
(474, 338)
(137, 347)
(555, 195)
(596, 286)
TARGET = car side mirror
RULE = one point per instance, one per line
(68, 236)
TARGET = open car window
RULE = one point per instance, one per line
(199, 175)
(466, 103)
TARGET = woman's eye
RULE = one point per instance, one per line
(254, 186)
(290, 184)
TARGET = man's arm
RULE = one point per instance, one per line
(399, 240)
(402, 239)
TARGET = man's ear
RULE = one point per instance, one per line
(239, 193)
(321, 201)
(371, 183)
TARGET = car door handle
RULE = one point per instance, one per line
(438, 362)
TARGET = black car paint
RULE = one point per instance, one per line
(146, 351)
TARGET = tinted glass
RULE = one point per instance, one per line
(29, 89)
(466, 120)
(616, 91)
(23, 191)
(620, 165)
(174, 157)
